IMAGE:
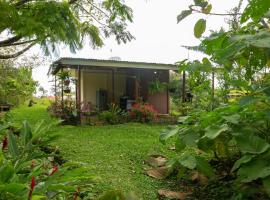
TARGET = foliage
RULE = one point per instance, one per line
(24, 163)
(64, 75)
(199, 82)
(236, 132)
(16, 84)
(66, 110)
(143, 112)
(26, 23)
(114, 115)
(156, 86)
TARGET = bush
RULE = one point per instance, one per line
(29, 170)
(143, 112)
(238, 134)
(114, 115)
(67, 112)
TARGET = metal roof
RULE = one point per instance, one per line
(71, 62)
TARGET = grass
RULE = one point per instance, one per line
(116, 153)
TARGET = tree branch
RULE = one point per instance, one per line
(9, 41)
(217, 14)
(17, 53)
(18, 43)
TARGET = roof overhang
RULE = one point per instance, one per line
(77, 62)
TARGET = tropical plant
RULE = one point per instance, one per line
(114, 115)
(236, 134)
(28, 172)
(156, 86)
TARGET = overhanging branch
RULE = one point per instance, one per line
(17, 53)
(9, 41)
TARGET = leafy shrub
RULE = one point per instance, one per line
(27, 172)
(143, 112)
(66, 111)
(114, 115)
(238, 133)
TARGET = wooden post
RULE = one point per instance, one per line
(79, 86)
(184, 87)
(62, 91)
(78, 92)
(55, 89)
(113, 86)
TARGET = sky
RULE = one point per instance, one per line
(158, 36)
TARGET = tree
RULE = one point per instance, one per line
(25, 23)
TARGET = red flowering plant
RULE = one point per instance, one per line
(27, 172)
(143, 112)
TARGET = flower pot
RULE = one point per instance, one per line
(67, 90)
(66, 82)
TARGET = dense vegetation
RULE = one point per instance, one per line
(16, 83)
(231, 138)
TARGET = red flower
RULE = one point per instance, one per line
(32, 186)
(5, 143)
(55, 169)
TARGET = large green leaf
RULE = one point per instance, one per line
(199, 28)
(26, 133)
(167, 133)
(234, 119)
(258, 168)
(12, 145)
(188, 161)
(247, 100)
(214, 131)
(16, 189)
(243, 160)
(250, 143)
(179, 145)
(204, 167)
(6, 172)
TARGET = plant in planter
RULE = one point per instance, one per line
(65, 77)
(156, 86)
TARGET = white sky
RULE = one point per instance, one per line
(158, 36)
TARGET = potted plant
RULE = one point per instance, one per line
(156, 86)
(65, 77)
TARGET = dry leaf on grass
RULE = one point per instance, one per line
(157, 160)
(158, 173)
(200, 178)
(171, 194)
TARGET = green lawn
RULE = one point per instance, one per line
(116, 153)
